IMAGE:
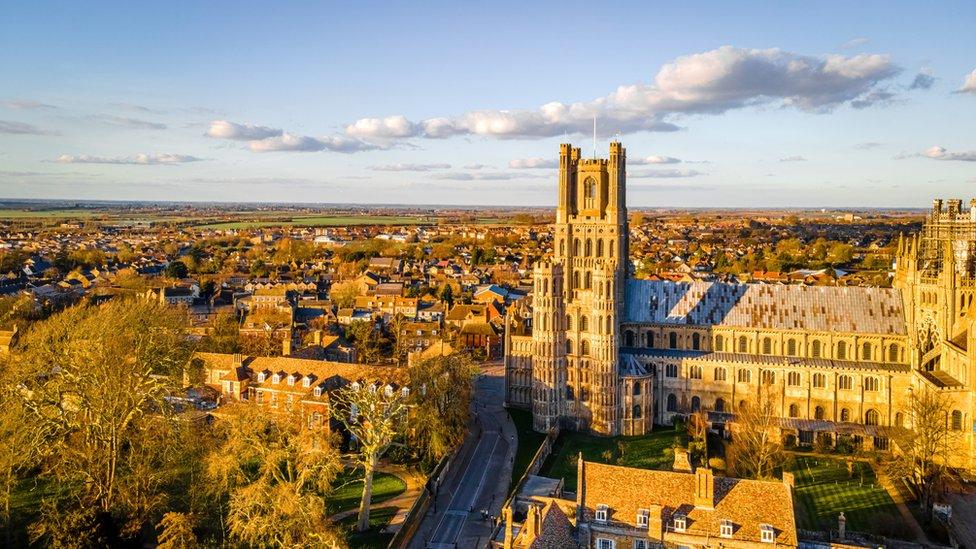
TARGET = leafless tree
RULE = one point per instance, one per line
(755, 450)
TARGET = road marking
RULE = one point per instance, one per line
(484, 475)
(450, 504)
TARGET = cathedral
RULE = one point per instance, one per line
(602, 352)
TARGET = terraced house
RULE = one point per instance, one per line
(602, 352)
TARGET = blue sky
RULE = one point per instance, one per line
(765, 104)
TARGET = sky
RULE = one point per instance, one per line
(763, 104)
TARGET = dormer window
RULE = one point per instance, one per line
(388, 391)
(767, 534)
(355, 386)
(680, 523)
(307, 381)
(405, 392)
(276, 378)
(291, 380)
(642, 515)
(261, 377)
(318, 391)
(601, 512)
(725, 530)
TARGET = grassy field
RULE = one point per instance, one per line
(323, 221)
(528, 443)
(824, 488)
(350, 491)
(646, 452)
(378, 518)
(46, 214)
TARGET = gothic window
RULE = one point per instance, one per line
(719, 343)
(819, 381)
(576, 280)
(815, 348)
(841, 350)
(956, 420)
(672, 403)
(636, 414)
(768, 377)
(673, 340)
(671, 370)
(609, 325)
(719, 405)
(743, 344)
(818, 413)
(611, 248)
(791, 347)
(793, 379)
(599, 248)
(893, 353)
(587, 281)
(871, 417)
(569, 393)
(569, 346)
(569, 322)
(576, 246)
(649, 339)
(899, 419)
(589, 193)
(589, 248)
(744, 376)
(629, 338)
(845, 382)
(584, 323)
(794, 410)
(871, 384)
(767, 346)
(545, 286)
(695, 341)
(695, 404)
(719, 373)
(695, 372)
(866, 351)
(585, 348)
(845, 414)
(637, 389)
(562, 247)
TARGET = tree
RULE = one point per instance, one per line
(375, 416)
(176, 532)
(18, 452)
(397, 334)
(176, 269)
(755, 450)
(925, 445)
(366, 339)
(447, 295)
(441, 401)
(93, 384)
(344, 294)
(840, 253)
(697, 427)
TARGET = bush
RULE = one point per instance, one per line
(717, 464)
(822, 444)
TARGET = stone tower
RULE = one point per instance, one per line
(578, 295)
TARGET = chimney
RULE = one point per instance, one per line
(655, 522)
(530, 528)
(238, 360)
(580, 487)
(704, 489)
(286, 346)
(317, 337)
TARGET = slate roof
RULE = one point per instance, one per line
(785, 307)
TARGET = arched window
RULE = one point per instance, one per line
(845, 414)
(899, 419)
(672, 403)
(569, 322)
(871, 383)
(576, 280)
(584, 323)
(629, 338)
(815, 348)
(719, 373)
(956, 420)
(589, 193)
(768, 377)
(673, 340)
(719, 343)
(743, 344)
(589, 248)
(818, 412)
(819, 381)
(609, 324)
(791, 347)
(696, 341)
(841, 350)
(893, 353)
(569, 346)
(587, 280)
(648, 339)
(637, 389)
(744, 376)
(719, 405)
(610, 248)
(569, 393)
(794, 410)
(599, 248)
(576, 246)
(695, 404)
(695, 372)
(767, 347)
(671, 370)
(562, 247)
(871, 417)
(845, 382)
(866, 351)
(793, 379)
(585, 348)
(636, 413)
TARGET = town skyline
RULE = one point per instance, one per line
(200, 105)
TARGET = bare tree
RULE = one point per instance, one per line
(921, 456)
(755, 450)
(441, 399)
(375, 416)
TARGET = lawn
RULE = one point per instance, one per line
(349, 490)
(323, 221)
(824, 488)
(45, 214)
(528, 443)
(372, 537)
(652, 451)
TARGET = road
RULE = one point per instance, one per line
(479, 476)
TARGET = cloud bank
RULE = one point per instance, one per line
(139, 159)
(410, 167)
(969, 84)
(940, 153)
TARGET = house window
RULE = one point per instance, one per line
(696, 341)
(767, 346)
(261, 377)
(719, 405)
(601, 512)
(604, 543)
(726, 528)
(841, 350)
(672, 403)
(956, 420)
(642, 515)
(276, 378)
(866, 351)
(719, 374)
(274, 400)
(768, 535)
(815, 349)
(845, 414)
(794, 410)
(640, 544)
(680, 523)
(695, 404)
(818, 412)
(318, 391)
(893, 353)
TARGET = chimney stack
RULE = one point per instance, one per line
(238, 360)
(704, 488)
(655, 522)
(286, 346)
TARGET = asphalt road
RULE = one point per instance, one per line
(479, 477)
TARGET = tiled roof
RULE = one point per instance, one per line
(770, 360)
(786, 307)
(625, 490)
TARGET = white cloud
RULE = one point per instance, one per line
(532, 163)
(465, 176)
(303, 143)
(794, 158)
(940, 153)
(854, 42)
(20, 128)
(663, 174)
(475, 166)
(654, 159)
(223, 129)
(711, 82)
(868, 145)
(969, 84)
(25, 104)
(139, 159)
(923, 80)
(126, 122)
(410, 167)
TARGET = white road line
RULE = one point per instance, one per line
(450, 504)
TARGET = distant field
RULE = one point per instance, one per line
(323, 221)
(45, 214)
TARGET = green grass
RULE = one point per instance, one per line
(651, 451)
(528, 443)
(349, 490)
(378, 518)
(824, 488)
(7, 213)
(323, 221)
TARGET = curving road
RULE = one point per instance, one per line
(479, 476)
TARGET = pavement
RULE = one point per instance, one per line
(479, 476)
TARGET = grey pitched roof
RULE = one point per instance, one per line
(787, 307)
